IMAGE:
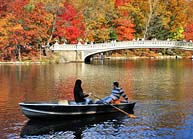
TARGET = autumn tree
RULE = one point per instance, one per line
(70, 25)
(26, 24)
(123, 23)
(138, 11)
(154, 16)
(171, 17)
(189, 32)
(157, 21)
(177, 18)
(99, 17)
(53, 7)
(189, 24)
(189, 12)
(4, 25)
(10, 26)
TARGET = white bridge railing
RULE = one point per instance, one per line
(123, 45)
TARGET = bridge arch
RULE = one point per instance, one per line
(87, 57)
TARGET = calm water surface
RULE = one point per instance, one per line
(163, 90)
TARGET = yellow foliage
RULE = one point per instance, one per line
(16, 27)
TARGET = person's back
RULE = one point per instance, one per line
(78, 92)
(118, 92)
(115, 93)
(77, 95)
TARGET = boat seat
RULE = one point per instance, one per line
(76, 103)
(65, 102)
(86, 102)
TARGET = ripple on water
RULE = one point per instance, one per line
(53, 135)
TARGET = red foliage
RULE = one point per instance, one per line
(121, 2)
(69, 12)
(17, 6)
(3, 7)
(124, 27)
(189, 32)
(70, 25)
(33, 23)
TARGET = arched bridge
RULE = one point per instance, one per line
(83, 52)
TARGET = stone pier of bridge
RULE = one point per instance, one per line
(71, 55)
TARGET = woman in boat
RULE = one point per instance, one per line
(79, 96)
(115, 96)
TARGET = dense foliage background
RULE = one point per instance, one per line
(26, 25)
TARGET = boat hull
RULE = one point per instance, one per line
(54, 109)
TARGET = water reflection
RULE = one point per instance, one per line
(61, 127)
(161, 88)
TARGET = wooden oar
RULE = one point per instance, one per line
(128, 114)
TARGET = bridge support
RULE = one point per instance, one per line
(74, 56)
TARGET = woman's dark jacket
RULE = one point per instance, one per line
(78, 92)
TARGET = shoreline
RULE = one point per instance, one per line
(109, 58)
(155, 57)
(22, 63)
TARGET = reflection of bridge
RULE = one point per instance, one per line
(83, 52)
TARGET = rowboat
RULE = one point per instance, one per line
(70, 109)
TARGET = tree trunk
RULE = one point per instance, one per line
(53, 27)
(19, 53)
(55, 13)
(149, 18)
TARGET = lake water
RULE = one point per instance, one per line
(162, 90)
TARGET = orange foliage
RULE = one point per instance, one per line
(189, 32)
(125, 29)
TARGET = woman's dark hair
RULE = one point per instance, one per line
(78, 82)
